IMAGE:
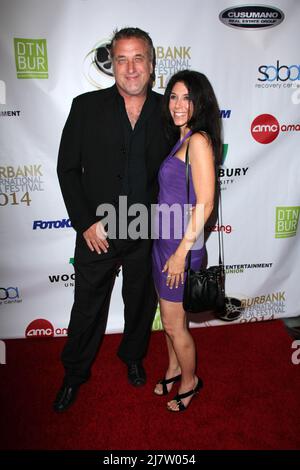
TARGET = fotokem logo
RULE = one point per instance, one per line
(251, 17)
(265, 128)
(39, 328)
(49, 224)
(31, 58)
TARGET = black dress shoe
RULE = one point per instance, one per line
(136, 373)
(66, 395)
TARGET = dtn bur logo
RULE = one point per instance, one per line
(31, 58)
(286, 221)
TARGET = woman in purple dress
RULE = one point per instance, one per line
(192, 118)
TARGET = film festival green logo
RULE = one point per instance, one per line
(157, 324)
(224, 153)
(31, 58)
(286, 221)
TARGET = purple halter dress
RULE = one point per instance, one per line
(172, 183)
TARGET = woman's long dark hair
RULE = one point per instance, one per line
(206, 114)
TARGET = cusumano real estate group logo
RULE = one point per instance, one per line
(31, 58)
(287, 218)
(251, 16)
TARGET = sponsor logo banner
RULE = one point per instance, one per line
(31, 58)
(287, 219)
(16, 184)
(229, 175)
(41, 328)
(251, 16)
(169, 60)
(278, 75)
(265, 128)
(264, 307)
(9, 295)
(50, 224)
(68, 280)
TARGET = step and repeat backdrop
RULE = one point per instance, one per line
(52, 51)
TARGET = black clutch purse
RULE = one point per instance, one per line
(204, 290)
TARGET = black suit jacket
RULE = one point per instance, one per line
(92, 154)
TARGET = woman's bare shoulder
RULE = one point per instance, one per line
(200, 139)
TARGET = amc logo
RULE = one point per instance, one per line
(265, 128)
(39, 328)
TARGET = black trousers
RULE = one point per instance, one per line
(94, 280)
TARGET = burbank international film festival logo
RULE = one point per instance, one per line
(17, 182)
(287, 219)
(264, 307)
(170, 60)
(31, 58)
(98, 70)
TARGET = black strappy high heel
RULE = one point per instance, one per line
(178, 397)
(165, 382)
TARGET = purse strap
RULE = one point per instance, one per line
(219, 218)
(179, 143)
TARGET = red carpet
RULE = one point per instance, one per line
(250, 400)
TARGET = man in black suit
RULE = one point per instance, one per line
(112, 145)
